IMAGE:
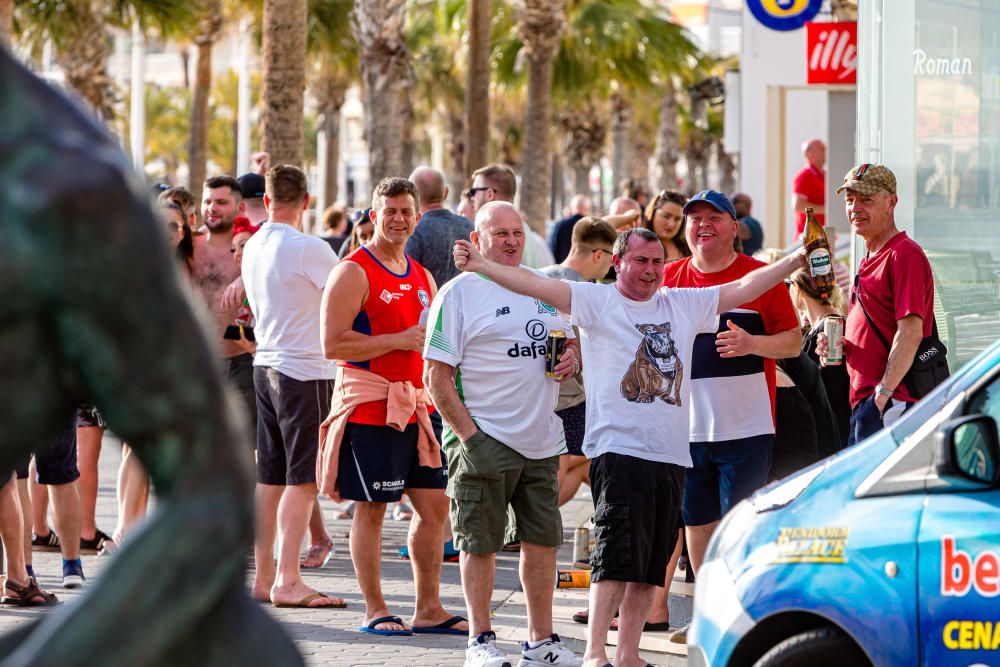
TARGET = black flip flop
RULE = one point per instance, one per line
(442, 628)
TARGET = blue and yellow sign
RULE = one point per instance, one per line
(784, 14)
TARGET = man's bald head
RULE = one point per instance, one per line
(814, 151)
(430, 187)
(494, 209)
(580, 204)
(620, 205)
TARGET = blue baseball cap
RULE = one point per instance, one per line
(713, 198)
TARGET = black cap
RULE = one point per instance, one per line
(251, 186)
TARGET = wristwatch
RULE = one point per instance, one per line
(880, 389)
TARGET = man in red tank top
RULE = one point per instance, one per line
(371, 320)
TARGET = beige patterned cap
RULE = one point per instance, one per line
(869, 179)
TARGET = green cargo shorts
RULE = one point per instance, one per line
(484, 477)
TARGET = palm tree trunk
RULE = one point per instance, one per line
(198, 139)
(85, 63)
(581, 178)
(477, 88)
(378, 27)
(457, 176)
(540, 23)
(727, 169)
(406, 121)
(667, 138)
(621, 121)
(284, 74)
(6, 21)
(330, 125)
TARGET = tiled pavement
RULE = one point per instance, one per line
(330, 637)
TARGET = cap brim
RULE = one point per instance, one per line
(694, 202)
(859, 186)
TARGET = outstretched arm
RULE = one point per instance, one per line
(554, 292)
(755, 283)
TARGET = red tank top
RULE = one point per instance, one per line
(394, 303)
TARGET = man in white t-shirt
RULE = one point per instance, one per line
(485, 369)
(284, 272)
(637, 340)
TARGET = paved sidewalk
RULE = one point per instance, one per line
(330, 637)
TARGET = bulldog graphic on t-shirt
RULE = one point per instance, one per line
(657, 370)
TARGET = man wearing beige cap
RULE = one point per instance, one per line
(891, 307)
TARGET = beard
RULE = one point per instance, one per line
(223, 225)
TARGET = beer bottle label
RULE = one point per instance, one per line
(819, 262)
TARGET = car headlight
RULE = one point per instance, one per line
(784, 492)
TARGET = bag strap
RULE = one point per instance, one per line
(871, 322)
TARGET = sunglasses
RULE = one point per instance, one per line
(473, 191)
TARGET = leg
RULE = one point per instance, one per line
(366, 554)
(294, 509)
(88, 451)
(430, 507)
(697, 541)
(24, 498)
(66, 512)
(477, 585)
(133, 493)
(12, 533)
(266, 499)
(634, 610)
(659, 611)
(573, 473)
(317, 528)
(538, 571)
(39, 502)
(605, 598)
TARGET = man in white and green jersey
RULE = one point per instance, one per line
(485, 369)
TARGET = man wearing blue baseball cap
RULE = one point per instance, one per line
(732, 374)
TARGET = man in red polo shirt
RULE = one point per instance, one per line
(809, 187)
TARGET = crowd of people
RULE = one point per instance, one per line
(401, 358)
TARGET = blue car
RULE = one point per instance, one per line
(885, 554)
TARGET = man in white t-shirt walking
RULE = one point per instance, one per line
(637, 339)
(284, 272)
(485, 369)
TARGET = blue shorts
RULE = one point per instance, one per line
(867, 421)
(723, 474)
(378, 462)
(56, 462)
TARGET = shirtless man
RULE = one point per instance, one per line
(214, 270)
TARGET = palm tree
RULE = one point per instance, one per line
(385, 70)
(334, 68)
(6, 21)
(540, 24)
(477, 86)
(209, 27)
(78, 30)
(586, 131)
(667, 151)
(284, 70)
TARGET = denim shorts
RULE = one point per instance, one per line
(722, 474)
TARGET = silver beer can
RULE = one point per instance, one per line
(833, 327)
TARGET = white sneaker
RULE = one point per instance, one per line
(551, 653)
(483, 652)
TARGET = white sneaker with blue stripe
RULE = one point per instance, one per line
(550, 653)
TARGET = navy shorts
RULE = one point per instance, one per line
(56, 463)
(378, 462)
(723, 474)
(289, 413)
(574, 424)
(88, 416)
(867, 421)
(240, 376)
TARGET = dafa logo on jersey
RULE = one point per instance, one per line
(784, 14)
(535, 349)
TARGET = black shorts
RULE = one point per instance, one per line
(88, 416)
(378, 462)
(636, 517)
(240, 376)
(289, 413)
(574, 420)
(56, 463)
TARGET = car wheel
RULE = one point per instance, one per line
(823, 647)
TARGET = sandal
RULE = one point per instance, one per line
(317, 556)
(27, 596)
(48, 542)
(345, 512)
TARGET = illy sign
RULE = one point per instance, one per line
(832, 53)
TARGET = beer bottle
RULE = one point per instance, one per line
(819, 255)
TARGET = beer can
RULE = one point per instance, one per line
(573, 579)
(581, 544)
(833, 327)
(553, 350)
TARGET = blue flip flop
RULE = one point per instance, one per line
(370, 628)
(442, 628)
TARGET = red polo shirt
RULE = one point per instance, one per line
(811, 184)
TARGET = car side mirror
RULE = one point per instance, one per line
(969, 447)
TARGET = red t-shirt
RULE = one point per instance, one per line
(394, 303)
(723, 381)
(810, 182)
(893, 283)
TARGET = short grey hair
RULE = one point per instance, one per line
(488, 210)
(621, 243)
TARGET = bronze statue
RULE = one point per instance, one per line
(92, 307)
